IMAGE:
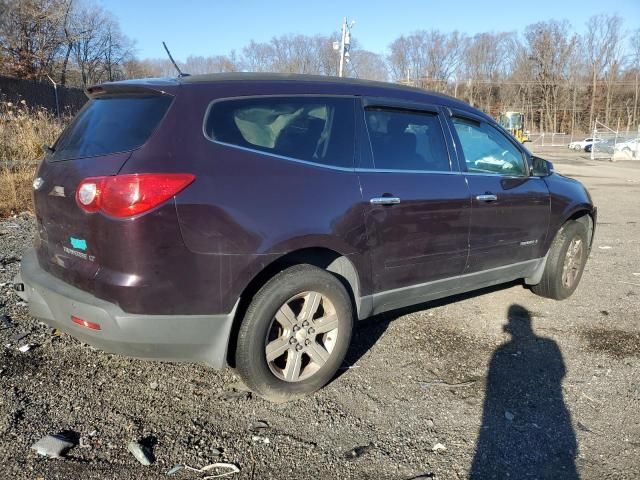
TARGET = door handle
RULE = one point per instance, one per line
(384, 201)
(487, 198)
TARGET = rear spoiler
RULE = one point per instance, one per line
(126, 88)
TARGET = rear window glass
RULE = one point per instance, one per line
(110, 125)
(315, 129)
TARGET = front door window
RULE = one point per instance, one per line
(486, 150)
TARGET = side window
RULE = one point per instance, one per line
(402, 140)
(486, 150)
(314, 129)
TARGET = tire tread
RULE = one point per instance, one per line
(550, 285)
(248, 352)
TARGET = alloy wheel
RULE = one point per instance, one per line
(301, 337)
(572, 262)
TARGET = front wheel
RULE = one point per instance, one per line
(565, 262)
(295, 333)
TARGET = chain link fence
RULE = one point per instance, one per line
(42, 95)
(548, 139)
(610, 144)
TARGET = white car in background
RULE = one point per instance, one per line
(630, 146)
(581, 144)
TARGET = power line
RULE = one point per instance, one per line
(562, 83)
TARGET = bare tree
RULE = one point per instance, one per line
(635, 64)
(328, 58)
(31, 36)
(486, 60)
(98, 47)
(157, 67)
(550, 45)
(134, 68)
(600, 45)
(214, 64)
(69, 40)
(368, 65)
(257, 57)
(427, 59)
(117, 50)
(90, 45)
(291, 54)
(540, 72)
(294, 54)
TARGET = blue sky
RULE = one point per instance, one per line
(211, 27)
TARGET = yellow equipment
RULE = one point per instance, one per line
(513, 122)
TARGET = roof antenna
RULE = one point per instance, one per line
(180, 74)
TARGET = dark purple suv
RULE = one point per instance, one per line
(248, 219)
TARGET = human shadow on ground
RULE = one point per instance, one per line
(526, 427)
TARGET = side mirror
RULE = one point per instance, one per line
(541, 167)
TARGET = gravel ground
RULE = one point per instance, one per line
(498, 381)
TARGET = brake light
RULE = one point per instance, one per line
(127, 195)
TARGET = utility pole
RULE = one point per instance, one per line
(342, 35)
(345, 44)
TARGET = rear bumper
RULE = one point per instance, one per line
(192, 338)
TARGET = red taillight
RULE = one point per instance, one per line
(128, 195)
(86, 323)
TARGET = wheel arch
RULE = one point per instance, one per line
(583, 212)
(588, 218)
(330, 260)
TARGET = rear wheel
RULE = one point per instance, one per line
(565, 262)
(295, 333)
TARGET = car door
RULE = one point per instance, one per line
(417, 219)
(510, 208)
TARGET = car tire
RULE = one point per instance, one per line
(295, 334)
(566, 260)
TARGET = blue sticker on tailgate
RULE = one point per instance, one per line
(78, 243)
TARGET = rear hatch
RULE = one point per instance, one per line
(116, 121)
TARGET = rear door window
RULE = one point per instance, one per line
(314, 129)
(403, 140)
(111, 124)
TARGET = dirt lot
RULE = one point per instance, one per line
(502, 379)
